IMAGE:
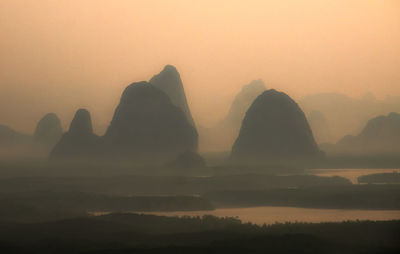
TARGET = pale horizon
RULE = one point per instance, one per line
(58, 56)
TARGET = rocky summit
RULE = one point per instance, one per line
(148, 127)
(79, 142)
(48, 132)
(169, 81)
(243, 100)
(274, 129)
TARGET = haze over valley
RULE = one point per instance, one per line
(199, 127)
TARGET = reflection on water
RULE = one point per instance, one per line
(271, 214)
(351, 174)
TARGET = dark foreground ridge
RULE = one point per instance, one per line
(134, 233)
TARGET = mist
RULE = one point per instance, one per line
(176, 126)
(58, 56)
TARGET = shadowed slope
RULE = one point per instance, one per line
(147, 127)
(169, 81)
(48, 132)
(274, 128)
(79, 142)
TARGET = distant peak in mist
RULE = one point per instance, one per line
(381, 135)
(82, 122)
(48, 131)
(169, 81)
(257, 84)
(79, 142)
(344, 114)
(222, 136)
(243, 100)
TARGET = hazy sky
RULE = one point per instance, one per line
(60, 55)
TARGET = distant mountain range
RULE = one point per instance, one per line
(380, 136)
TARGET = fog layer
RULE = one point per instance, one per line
(58, 56)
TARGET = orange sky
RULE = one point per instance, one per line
(65, 54)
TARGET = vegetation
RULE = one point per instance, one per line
(345, 197)
(359, 161)
(46, 205)
(128, 185)
(388, 178)
(135, 233)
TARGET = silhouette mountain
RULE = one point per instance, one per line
(243, 100)
(79, 142)
(380, 136)
(344, 114)
(10, 137)
(48, 132)
(221, 136)
(148, 127)
(319, 126)
(274, 128)
(169, 81)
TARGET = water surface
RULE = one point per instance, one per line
(351, 174)
(272, 214)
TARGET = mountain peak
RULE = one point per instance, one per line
(169, 68)
(169, 81)
(82, 122)
(274, 128)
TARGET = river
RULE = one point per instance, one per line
(272, 214)
(351, 174)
